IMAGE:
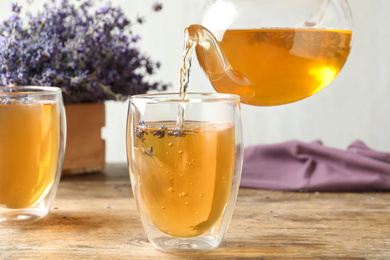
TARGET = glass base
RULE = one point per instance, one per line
(185, 245)
(7, 215)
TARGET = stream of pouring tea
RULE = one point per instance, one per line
(189, 46)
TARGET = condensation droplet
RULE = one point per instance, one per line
(170, 144)
(181, 175)
(162, 207)
(200, 195)
(171, 189)
(167, 153)
(181, 151)
(187, 203)
(184, 194)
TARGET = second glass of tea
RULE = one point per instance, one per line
(32, 145)
(185, 168)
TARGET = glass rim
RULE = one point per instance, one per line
(192, 97)
(29, 90)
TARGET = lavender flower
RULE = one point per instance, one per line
(91, 55)
(157, 6)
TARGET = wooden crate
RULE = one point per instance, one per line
(85, 148)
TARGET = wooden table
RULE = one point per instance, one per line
(95, 216)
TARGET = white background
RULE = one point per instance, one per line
(355, 106)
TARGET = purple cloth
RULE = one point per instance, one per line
(295, 166)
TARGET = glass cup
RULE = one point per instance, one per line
(32, 145)
(185, 161)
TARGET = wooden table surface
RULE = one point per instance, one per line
(95, 216)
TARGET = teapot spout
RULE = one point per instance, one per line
(223, 77)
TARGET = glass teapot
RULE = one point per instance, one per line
(272, 52)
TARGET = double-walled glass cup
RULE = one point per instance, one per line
(32, 144)
(185, 161)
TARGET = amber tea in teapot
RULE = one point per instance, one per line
(271, 66)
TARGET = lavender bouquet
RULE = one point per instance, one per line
(90, 53)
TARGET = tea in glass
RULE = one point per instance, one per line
(31, 150)
(185, 173)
